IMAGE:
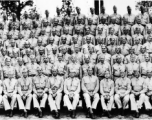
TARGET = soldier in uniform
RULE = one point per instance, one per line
(55, 86)
(116, 15)
(102, 67)
(10, 93)
(103, 15)
(141, 56)
(137, 96)
(93, 16)
(39, 91)
(129, 16)
(25, 92)
(90, 87)
(107, 93)
(80, 15)
(122, 89)
(72, 90)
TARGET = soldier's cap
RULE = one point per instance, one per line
(54, 48)
(15, 50)
(107, 72)
(59, 55)
(103, 46)
(76, 46)
(131, 48)
(90, 19)
(20, 59)
(63, 37)
(24, 70)
(51, 38)
(118, 57)
(78, 8)
(56, 20)
(32, 56)
(45, 57)
(42, 30)
(39, 68)
(73, 71)
(53, 30)
(54, 68)
(26, 42)
(117, 47)
(39, 40)
(9, 33)
(65, 29)
(142, 47)
(86, 56)
(88, 38)
(147, 55)
(41, 48)
(90, 68)
(8, 59)
(87, 28)
(101, 56)
(99, 28)
(74, 36)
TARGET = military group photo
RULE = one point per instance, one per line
(99, 63)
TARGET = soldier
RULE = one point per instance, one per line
(117, 68)
(148, 95)
(132, 66)
(145, 66)
(55, 86)
(80, 15)
(55, 37)
(1, 90)
(39, 91)
(141, 56)
(137, 46)
(148, 45)
(116, 15)
(32, 40)
(122, 89)
(107, 94)
(137, 95)
(125, 25)
(103, 15)
(101, 67)
(54, 56)
(129, 16)
(47, 28)
(10, 92)
(68, 26)
(69, 15)
(25, 92)
(72, 90)
(93, 16)
(59, 17)
(90, 87)
(46, 67)
(43, 37)
(25, 32)
(57, 27)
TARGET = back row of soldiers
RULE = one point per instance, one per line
(108, 58)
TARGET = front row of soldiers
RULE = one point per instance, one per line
(137, 90)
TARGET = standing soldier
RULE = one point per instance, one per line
(90, 87)
(10, 92)
(122, 89)
(102, 67)
(102, 16)
(93, 16)
(80, 15)
(25, 92)
(55, 86)
(107, 94)
(129, 16)
(39, 91)
(72, 90)
(116, 15)
(137, 95)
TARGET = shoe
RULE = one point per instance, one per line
(92, 116)
(69, 113)
(122, 112)
(7, 112)
(103, 113)
(73, 114)
(40, 115)
(53, 113)
(150, 113)
(109, 114)
(137, 115)
(11, 113)
(88, 113)
(22, 114)
(25, 114)
(57, 116)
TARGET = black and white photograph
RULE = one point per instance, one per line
(75, 59)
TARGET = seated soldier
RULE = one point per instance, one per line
(55, 86)
(25, 92)
(107, 94)
(137, 95)
(10, 92)
(72, 90)
(90, 87)
(122, 89)
(40, 89)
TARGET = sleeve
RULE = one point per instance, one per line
(78, 88)
(97, 86)
(65, 88)
(1, 87)
(144, 87)
(61, 87)
(15, 90)
(5, 88)
(30, 88)
(34, 87)
(84, 89)
(116, 86)
(112, 89)
(101, 88)
(46, 82)
(19, 88)
(128, 87)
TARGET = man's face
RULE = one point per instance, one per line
(72, 74)
(112, 41)
(131, 51)
(39, 72)
(117, 50)
(136, 74)
(90, 72)
(107, 75)
(25, 74)
(54, 51)
(66, 31)
(60, 58)
(118, 60)
(129, 10)
(87, 60)
(78, 11)
(63, 40)
(20, 62)
(54, 72)
(88, 40)
(124, 41)
(32, 60)
(132, 59)
(114, 9)
(64, 50)
(76, 49)
(46, 60)
(123, 74)
(104, 50)
(149, 74)
(125, 31)
(143, 50)
(3, 52)
(8, 62)
(39, 43)
(148, 31)
(147, 58)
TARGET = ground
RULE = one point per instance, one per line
(48, 116)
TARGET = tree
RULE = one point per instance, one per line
(15, 6)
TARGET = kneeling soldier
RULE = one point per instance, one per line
(10, 90)
(122, 89)
(72, 90)
(24, 90)
(55, 86)
(40, 88)
(90, 87)
(107, 94)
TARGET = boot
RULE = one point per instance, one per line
(92, 115)
(25, 114)
(103, 113)
(69, 113)
(109, 114)
(150, 113)
(11, 113)
(7, 112)
(137, 115)
(88, 113)
(40, 114)
(57, 116)
(73, 114)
